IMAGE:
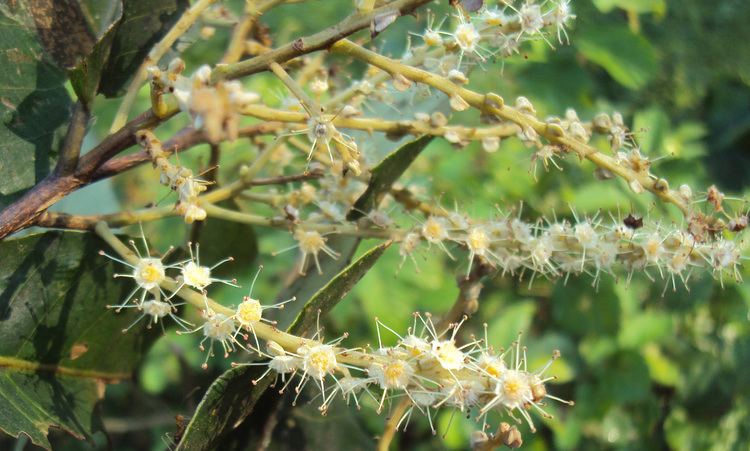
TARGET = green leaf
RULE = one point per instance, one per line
(627, 57)
(328, 296)
(34, 104)
(385, 173)
(143, 23)
(511, 321)
(59, 345)
(220, 239)
(232, 397)
(654, 125)
(305, 287)
(658, 7)
(86, 75)
(644, 328)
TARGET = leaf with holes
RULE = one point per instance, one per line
(57, 346)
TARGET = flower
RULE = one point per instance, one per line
(147, 272)
(157, 310)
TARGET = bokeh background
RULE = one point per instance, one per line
(646, 370)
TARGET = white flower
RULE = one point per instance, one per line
(318, 361)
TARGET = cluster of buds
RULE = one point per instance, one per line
(214, 107)
(178, 178)
(588, 246)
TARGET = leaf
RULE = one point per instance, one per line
(34, 105)
(658, 7)
(59, 345)
(86, 75)
(328, 296)
(143, 23)
(511, 321)
(385, 173)
(232, 397)
(220, 239)
(63, 30)
(627, 57)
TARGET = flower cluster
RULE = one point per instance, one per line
(213, 107)
(590, 246)
(429, 365)
(493, 31)
(150, 274)
(426, 366)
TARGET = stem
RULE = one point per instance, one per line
(247, 218)
(321, 40)
(85, 222)
(310, 105)
(71, 149)
(416, 128)
(489, 104)
(236, 48)
(157, 52)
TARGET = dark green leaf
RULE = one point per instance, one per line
(229, 399)
(59, 345)
(328, 296)
(385, 173)
(63, 30)
(34, 105)
(86, 75)
(220, 238)
(143, 23)
(629, 58)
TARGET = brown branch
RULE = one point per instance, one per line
(318, 41)
(23, 212)
(183, 140)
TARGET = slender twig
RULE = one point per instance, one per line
(84, 222)
(236, 48)
(403, 127)
(71, 148)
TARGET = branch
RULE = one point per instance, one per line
(494, 104)
(23, 212)
(321, 40)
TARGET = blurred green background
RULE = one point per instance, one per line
(646, 371)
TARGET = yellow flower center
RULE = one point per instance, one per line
(249, 311)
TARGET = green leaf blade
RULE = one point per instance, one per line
(57, 349)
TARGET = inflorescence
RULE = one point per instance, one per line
(429, 365)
